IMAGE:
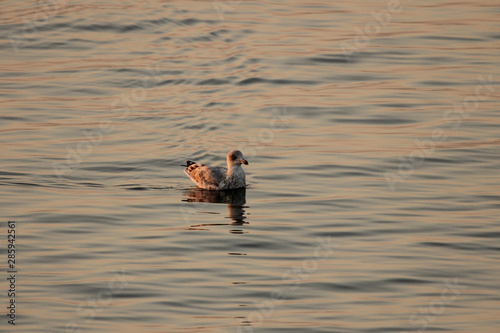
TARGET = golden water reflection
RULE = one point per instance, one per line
(235, 200)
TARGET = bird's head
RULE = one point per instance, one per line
(235, 157)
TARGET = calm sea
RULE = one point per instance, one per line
(372, 133)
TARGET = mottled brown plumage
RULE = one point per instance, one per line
(219, 178)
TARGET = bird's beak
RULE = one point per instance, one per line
(244, 161)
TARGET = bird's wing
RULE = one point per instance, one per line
(206, 177)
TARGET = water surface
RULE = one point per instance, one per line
(372, 136)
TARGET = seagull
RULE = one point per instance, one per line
(219, 178)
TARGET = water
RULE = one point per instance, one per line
(373, 203)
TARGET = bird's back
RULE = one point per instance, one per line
(204, 176)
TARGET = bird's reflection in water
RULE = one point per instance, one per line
(235, 200)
